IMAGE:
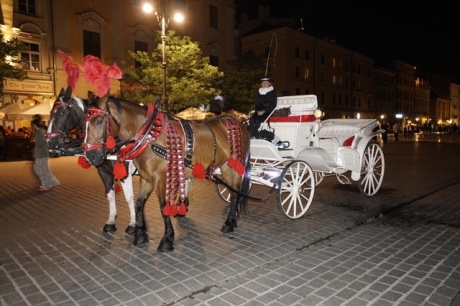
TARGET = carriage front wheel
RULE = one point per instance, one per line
(372, 170)
(296, 189)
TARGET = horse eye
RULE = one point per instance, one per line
(98, 121)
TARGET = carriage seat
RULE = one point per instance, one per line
(302, 108)
(344, 130)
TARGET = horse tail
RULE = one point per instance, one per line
(246, 184)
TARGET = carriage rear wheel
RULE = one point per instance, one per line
(372, 170)
(295, 189)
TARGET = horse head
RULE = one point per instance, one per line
(99, 138)
(66, 124)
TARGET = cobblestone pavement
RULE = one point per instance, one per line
(53, 251)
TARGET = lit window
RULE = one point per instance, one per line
(31, 59)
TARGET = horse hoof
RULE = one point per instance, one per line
(130, 230)
(166, 245)
(227, 228)
(109, 228)
(140, 238)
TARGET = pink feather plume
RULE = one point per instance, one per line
(73, 73)
(98, 74)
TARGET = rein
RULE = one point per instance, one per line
(132, 148)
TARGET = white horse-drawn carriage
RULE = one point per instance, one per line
(306, 150)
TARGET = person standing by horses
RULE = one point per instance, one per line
(266, 98)
(41, 154)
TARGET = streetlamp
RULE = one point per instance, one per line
(163, 20)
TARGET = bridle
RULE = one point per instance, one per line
(92, 113)
(57, 105)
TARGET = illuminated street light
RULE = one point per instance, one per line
(163, 20)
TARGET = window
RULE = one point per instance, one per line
(140, 46)
(31, 59)
(27, 6)
(91, 43)
(214, 60)
(307, 55)
(323, 59)
(297, 71)
(213, 20)
(297, 52)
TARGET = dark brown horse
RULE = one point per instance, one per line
(167, 151)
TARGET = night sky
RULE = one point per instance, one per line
(417, 32)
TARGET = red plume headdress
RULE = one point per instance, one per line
(98, 74)
(73, 73)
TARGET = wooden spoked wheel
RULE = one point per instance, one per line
(296, 189)
(372, 170)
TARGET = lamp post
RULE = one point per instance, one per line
(163, 20)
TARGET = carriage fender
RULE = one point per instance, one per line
(360, 148)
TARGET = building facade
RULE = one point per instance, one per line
(108, 29)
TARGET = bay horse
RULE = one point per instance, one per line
(68, 116)
(167, 151)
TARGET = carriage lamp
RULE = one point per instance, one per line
(163, 20)
(318, 113)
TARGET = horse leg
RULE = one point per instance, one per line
(107, 178)
(167, 242)
(243, 185)
(127, 185)
(140, 234)
(230, 224)
(231, 178)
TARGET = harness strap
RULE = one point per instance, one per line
(189, 142)
(147, 133)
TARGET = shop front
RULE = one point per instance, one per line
(20, 98)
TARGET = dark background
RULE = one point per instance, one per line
(423, 34)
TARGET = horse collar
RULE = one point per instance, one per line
(148, 132)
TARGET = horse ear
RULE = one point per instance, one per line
(62, 92)
(68, 93)
(101, 101)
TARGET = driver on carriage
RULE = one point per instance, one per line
(266, 99)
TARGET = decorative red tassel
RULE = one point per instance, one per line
(117, 188)
(239, 168)
(110, 143)
(173, 210)
(167, 210)
(83, 162)
(231, 162)
(182, 209)
(199, 171)
(119, 171)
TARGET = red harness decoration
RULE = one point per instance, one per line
(234, 141)
(175, 177)
(147, 133)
